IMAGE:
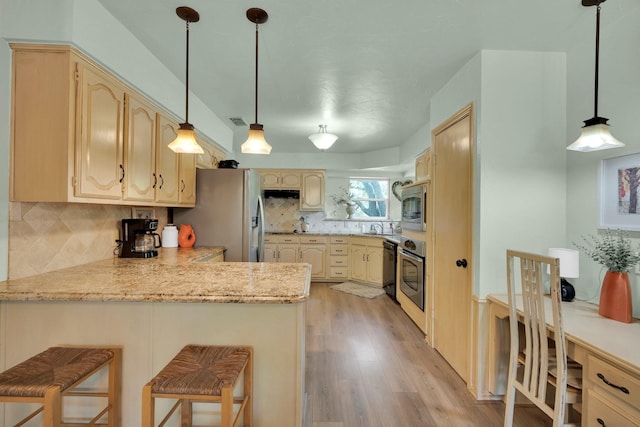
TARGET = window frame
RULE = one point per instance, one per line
(386, 199)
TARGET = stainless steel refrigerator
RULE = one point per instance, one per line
(228, 212)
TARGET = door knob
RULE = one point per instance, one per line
(462, 263)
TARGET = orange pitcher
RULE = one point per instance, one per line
(186, 236)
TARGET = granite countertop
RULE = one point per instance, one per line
(176, 275)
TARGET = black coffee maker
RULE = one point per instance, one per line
(139, 239)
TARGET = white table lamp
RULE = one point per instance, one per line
(569, 268)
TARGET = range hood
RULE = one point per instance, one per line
(281, 194)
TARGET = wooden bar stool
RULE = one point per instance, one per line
(203, 374)
(48, 377)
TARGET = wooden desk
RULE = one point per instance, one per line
(602, 346)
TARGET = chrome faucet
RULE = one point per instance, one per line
(373, 227)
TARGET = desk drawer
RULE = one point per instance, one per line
(603, 413)
(613, 381)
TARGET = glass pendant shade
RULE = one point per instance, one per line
(323, 140)
(595, 136)
(595, 133)
(255, 143)
(186, 142)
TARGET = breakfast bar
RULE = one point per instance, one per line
(154, 307)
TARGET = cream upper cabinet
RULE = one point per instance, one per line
(423, 166)
(81, 135)
(99, 152)
(312, 191)
(281, 179)
(141, 179)
(167, 188)
(187, 175)
(212, 154)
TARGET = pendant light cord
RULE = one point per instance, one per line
(187, 79)
(256, 103)
(595, 103)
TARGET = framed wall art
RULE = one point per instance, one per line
(620, 193)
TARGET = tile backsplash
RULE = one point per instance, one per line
(283, 215)
(51, 236)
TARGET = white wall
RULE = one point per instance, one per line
(619, 101)
(518, 157)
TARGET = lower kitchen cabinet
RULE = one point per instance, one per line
(283, 248)
(339, 257)
(365, 260)
(313, 250)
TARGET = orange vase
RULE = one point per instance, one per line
(186, 236)
(615, 297)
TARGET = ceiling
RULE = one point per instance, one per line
(366, 69)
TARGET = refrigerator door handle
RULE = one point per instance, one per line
(260, 220)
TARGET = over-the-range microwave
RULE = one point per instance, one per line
(414, 207)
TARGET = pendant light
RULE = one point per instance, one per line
(186, 142)
(256, 144)
(595, 132)
(323, 140)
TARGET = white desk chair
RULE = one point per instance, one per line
(538, 364)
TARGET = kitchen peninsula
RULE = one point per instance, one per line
(153, 307)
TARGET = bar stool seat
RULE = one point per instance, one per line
(49, 376)
(203, 374)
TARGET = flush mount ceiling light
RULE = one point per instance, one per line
(256, 144)
(595, 132)
(323, 140)
(186, 142)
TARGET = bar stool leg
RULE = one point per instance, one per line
(227, 406)
(114, 388)
(248, 390)
(186, 413)
(51, 407)
(148, 407)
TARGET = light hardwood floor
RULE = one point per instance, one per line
(368, 365)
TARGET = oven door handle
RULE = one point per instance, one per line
(411, 256)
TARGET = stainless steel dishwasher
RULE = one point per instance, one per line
(389, 261)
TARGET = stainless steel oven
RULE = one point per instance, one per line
(411, 257)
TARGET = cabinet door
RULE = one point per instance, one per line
(423, 166)
(374, 265)
(167, 188)
(140, 151)
(290, 180)
(288, 253)
(316, 255)
(312, 191)
(270, 253)
(270, 180)
(358, 263)
(187, 173)
(99, 124)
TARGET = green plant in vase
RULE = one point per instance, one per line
(613, 250)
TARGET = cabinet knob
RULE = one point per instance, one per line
(601, 422)
(155, 180)
(462, 263)
(161, 181)
(122, 173)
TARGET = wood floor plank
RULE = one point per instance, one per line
(368, 365)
